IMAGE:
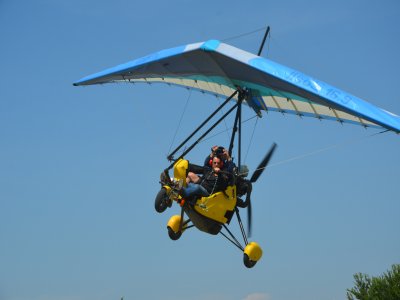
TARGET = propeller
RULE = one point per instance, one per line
(261, 167)
(257, 173)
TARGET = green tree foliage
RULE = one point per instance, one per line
(385, 287)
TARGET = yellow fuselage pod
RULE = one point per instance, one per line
(180, 170)
(218, 206)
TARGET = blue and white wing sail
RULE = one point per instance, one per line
(219, 69)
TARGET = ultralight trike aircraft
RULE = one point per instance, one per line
(243, 78)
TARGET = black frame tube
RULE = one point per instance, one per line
(234, 130)
(233, 239)
(238, 120)
(263, 41)
(240, 136)
(241, 226)
(203, 135)
(170, 156)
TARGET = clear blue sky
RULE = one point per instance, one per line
(79, 166)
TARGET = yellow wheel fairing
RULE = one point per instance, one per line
(253, 251)
(217, 205)
(174, 223)
(180, 170)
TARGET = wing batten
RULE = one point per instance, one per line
(295, 107)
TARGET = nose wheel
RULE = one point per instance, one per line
(248, 262)
(173, 235)
(162, 201)
(176, 226)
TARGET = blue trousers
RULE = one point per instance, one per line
(194, 189)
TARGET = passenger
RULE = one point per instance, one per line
(222, 153)
(227, 165)
(213, 180)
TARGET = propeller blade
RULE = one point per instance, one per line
(263, 164)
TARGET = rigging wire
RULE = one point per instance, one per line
(180, 120)
(243, 34)
(221, 132)
(268, 41)
(251, 140)
(190, 90)
(222, 113)
(337, 145)
(227, 129)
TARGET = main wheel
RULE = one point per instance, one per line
(248, 262)
(174, 235)
(252, 254)
(162, 201)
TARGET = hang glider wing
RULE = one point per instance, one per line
(219, 69)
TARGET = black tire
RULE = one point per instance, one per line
(174, 235)
(162, 201)
(248, 262)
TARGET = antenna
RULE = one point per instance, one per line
(263, 41)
